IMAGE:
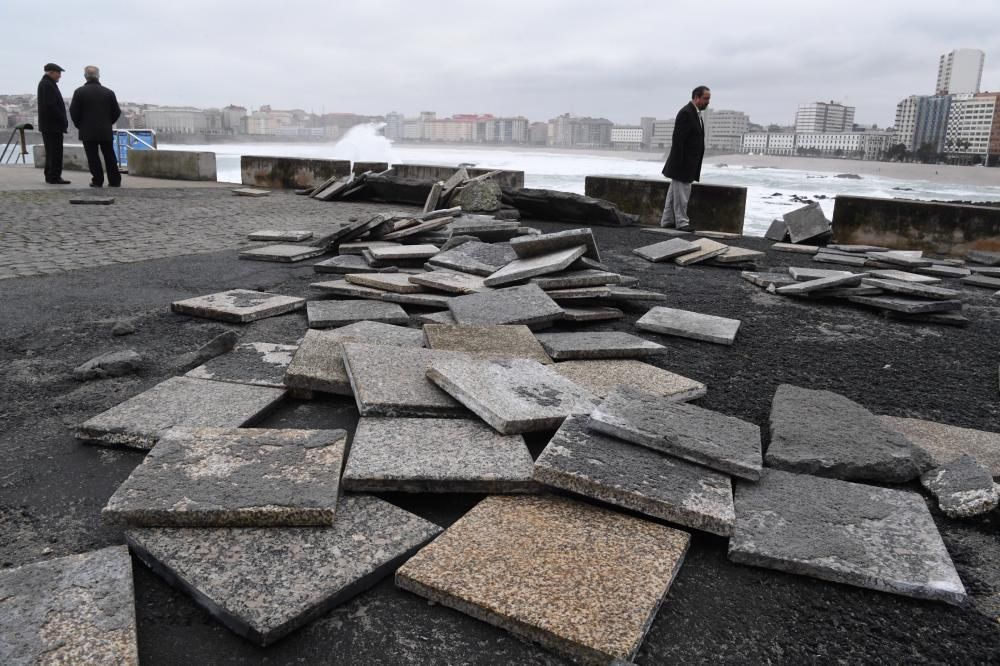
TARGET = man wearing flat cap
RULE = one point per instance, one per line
(52, 122)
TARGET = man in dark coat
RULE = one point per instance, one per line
(94, 110)
(683, 165)
(52, 122)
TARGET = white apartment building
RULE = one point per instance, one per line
(449, 130)
(863, 145)
(724, 129)
(626, 137)
(973, 124)
(394, 126)
(769, 143)
(663, 134)
(960, 72)
(505, 130)
(176, 120)
(824, 117)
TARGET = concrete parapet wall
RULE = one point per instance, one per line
(507, 179)
(374, 167)
(172, 164)
(904, 224)
(711, 208)
(74, 159)
(289, 173)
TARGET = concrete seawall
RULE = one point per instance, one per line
(74, 159)
(173, 164)
(289, 173)
(508, 179)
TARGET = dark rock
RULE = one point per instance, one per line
(123, 327)
(479, 195)
(567, 207)
(220, 344)
(111, 364)
(963, 488)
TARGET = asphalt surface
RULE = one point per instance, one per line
(52, 487)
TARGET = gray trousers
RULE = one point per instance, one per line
(675, 210)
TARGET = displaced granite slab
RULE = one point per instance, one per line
(530, 246)
(348, 263)
(900, 258)
(842, 259)
(906, 304)
(345, 288)
(579, 293)
(807, 274)
(601, 378)
(439, 301)
(475, 257)
(794, 248)
(942, 271)
(843, 532)
(451, 282)
(587, 277)
(809, 286)
(256, 363)
(331, 314)
(981, 280)
(735, 255)
(444, 317)
(357, 247)
(512, 395)
(395, 282)
(666, 250)
(701, 436)
(487, 341)
(591, 314)
(637, 478)
(283, 235)
(93, 201)
(402, 252)
(250, 192)
(684, 324)
(423, 227)
(282, 253)
(707, 249)
(238, 305)
(767, 280)
(862, 249)
(263, 583)
(963, 488)
(392, 381)
(777, 231)
(912, 289)
(526, 304)
(946, 443)
(983, 257)
(904, 276)
(233, 477)
(318, 364)
(597, 344)
(826, 434)
(806, 223)
(542, 264)
(436, 456)
(78, 609)
(142, 420)
(623, 293)
(580, 580)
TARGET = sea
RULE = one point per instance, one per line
(771, 192)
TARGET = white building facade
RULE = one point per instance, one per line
(824, 117)
(960, 72)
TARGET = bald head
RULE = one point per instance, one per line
(92, 73)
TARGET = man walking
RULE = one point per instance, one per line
(94, 110)
(683, 165)
(52, 122)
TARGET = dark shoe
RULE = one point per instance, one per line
(96, 185)
(114, 184)
(686, 227)
(58, 182)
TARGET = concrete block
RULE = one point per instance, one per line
(172, 164)
(684, 324)
(238, 306)
(74, 157)
(290, 173)
(602, 376)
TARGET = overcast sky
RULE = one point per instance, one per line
(539, 58)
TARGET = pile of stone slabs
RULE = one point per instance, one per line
(666, 250)
(263, 583)
(821, 284)
(318, 364)
(520, 270)
(451, 282)
(912, 289)
(436, 456)
(512, 395)
(602, 376)
(349, 263)
(827, 434)
(526, 304)
(903, 276)
(587, 277)
(580, 580)
(494, 342)
(402, 252)
(140, 421)
(597, 345)
(280, 235)
(233, 477)
(946, 443)
(532, 246)
(282, 253)
(475, 257)
(78, 609)
(906, 304)
(844, 532)
(770, 280)
(392, 381)
(332, 314)
(238, 306)
(399, 283)
(693, 325)
(707, 249)
(591, 313)
(636, 478)
(963, 488)
(698, 435)
(256, 363)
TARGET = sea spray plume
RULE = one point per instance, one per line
(363, 143)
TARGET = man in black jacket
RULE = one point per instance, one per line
(94, 110)
(52, 122)
(683, 165)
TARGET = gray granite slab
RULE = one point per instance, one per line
(238, 305)
(251, 192)
(601, 377)
(636, 478)
(767, 280)
(495, 342)
(392, 381)
(542, 264)
(475, 257)
(357, 247)
(257, 363)
(963, 488)
(428, 300)
(93, 201)
(263, 583)
(862, 249)
(444, 317)
(233, 477)
(584, 314)
(942, 271)
(282, 253)
(579, 293)
(588, 263)
(345, 288)
(707, 249)
(842, 259)
(622, 293)
(597, 345)
(806, 223)
(78, 609)
(810, 286)
(777, 230)
(983, 257)
(990, 271)
(827, 434)
(946, 443)
(477, 224)
(708, 328)
(531, 246)
(701, 436)
(666, 250)
(736, 255)
(512, 395)
(318, 364)
(575, 279)
(795, 248)
(898, 258)
(348, 263)
(906, 304)
(140, 421)
(980, 280)
(422, 228)
(904, 276)
(806, 274)
(945, 318)
(843, 532)
(436, 456)
(451, 282)
(399, 252)
(283, 235)
(525, 304)
(395, 282)
(331, 314)
(912, 289)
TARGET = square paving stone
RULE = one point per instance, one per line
(283, 253)
(233, 477)
(257, 363)
(318, 364)
(622, 293)
(946, 443)
(575, 279)
(345, 288)
(348, 263)
(591, 314)
(78, 609)
(666, 250)
(900, 258)
(906, 304)
(250, 192)
(597, 344)
(263, 583)
(331, 314)
(601, 378)
(475, 257)
(526, 304)
(398, 252)
(795, 248)
(735, 255)
(238, 305)
(767, 280)
(843, 532)
(944, 271)
(398, 283)
(578, 579)
(808, 274)
(842, 259)
(806, 223)
(980, 280)
(701, 436)
(684, 324)
(450, 282)
(140, 421)
(706, 250)
(912, 289)
(512, 395)
(392, 381)
(522, 269)
(422, 300)
(637, 478)
(487, 341)
(288, 236)
(903, 276)
(436, 456)
(445, 318)
(357, 247)
(983, 257)
(531, 246)
(579, 293)
(810, 286)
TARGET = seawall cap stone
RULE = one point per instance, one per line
(529, 267)
(530, 246)
(525, 304)
(601, 377)
(597, 345)
(963, 488)
(238, 305)
(256, 363)
(475, 257)
(694, 325)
